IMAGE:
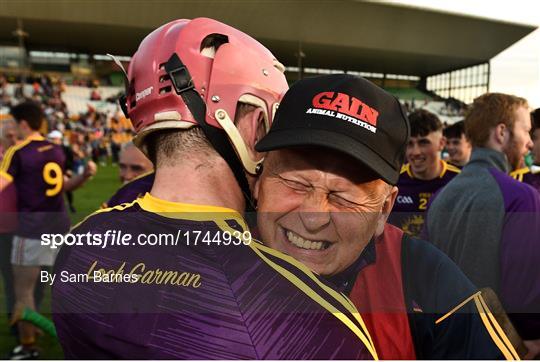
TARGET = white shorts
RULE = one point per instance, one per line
(30, 252)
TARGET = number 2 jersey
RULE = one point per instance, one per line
(414, 195)
(197, 296)
(36, 168)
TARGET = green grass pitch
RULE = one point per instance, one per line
(87, 199)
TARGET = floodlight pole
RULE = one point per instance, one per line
(488, 74)
(21, 34)
(300, 55)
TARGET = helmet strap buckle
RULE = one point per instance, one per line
(179, 74)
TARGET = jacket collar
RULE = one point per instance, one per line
(487, 157)
(345, 280)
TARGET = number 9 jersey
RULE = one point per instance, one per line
(36, 167)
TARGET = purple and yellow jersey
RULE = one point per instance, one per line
(132, 190)
(8, 209)
(414, 195)
(36, 168)
(454, 165)
(189, 300)
(530, 176)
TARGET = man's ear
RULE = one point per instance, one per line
(501, 133)
(256, 127)
(389, 201)
(467, 141)
(252, 129)
(442, 143)
(387, 207)
(498, 137)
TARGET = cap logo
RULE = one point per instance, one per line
(346, 107)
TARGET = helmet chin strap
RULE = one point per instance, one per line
(236, 139)
(183, 85)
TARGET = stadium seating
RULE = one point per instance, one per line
(408, 94)
(77, 99)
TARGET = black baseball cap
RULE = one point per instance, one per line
(345, 113)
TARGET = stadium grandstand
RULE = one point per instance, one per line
(438, 61)
(56, 53)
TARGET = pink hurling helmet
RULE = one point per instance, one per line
(195, 72)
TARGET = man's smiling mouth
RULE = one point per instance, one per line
(306, 244)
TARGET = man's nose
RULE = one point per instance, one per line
(125, 175)
(314, 212)
(414, 150)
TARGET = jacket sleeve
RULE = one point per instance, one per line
(520, 257)
(448, 317)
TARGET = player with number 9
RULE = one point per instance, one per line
(35, 169)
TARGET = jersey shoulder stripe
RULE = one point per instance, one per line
(453, 168)
(490, 323)
(446, 167)
(405, 168)
(519, 173)
(304, 279)
(121, 207)
(139, 177)
(6, 161)
(6, 176)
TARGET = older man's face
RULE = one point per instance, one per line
(133, 163)
(320, 207)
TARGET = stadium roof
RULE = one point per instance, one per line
(339, 34)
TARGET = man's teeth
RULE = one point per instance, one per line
(300, 242)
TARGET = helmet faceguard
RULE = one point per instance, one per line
(201, 66)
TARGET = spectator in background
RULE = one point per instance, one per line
(458, 146)
(535, 118)
(8, 135)
(79, 179)
(19, 91)
(136, 175)
(79, 146)
(94, 124)
(489, 223)
(531, 173)
(133, 163)
(5, 99)
(423, 175)
(95, 95)
(56, 138)
(115, 139)
(407, 107)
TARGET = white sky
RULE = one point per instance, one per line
(516, 70)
